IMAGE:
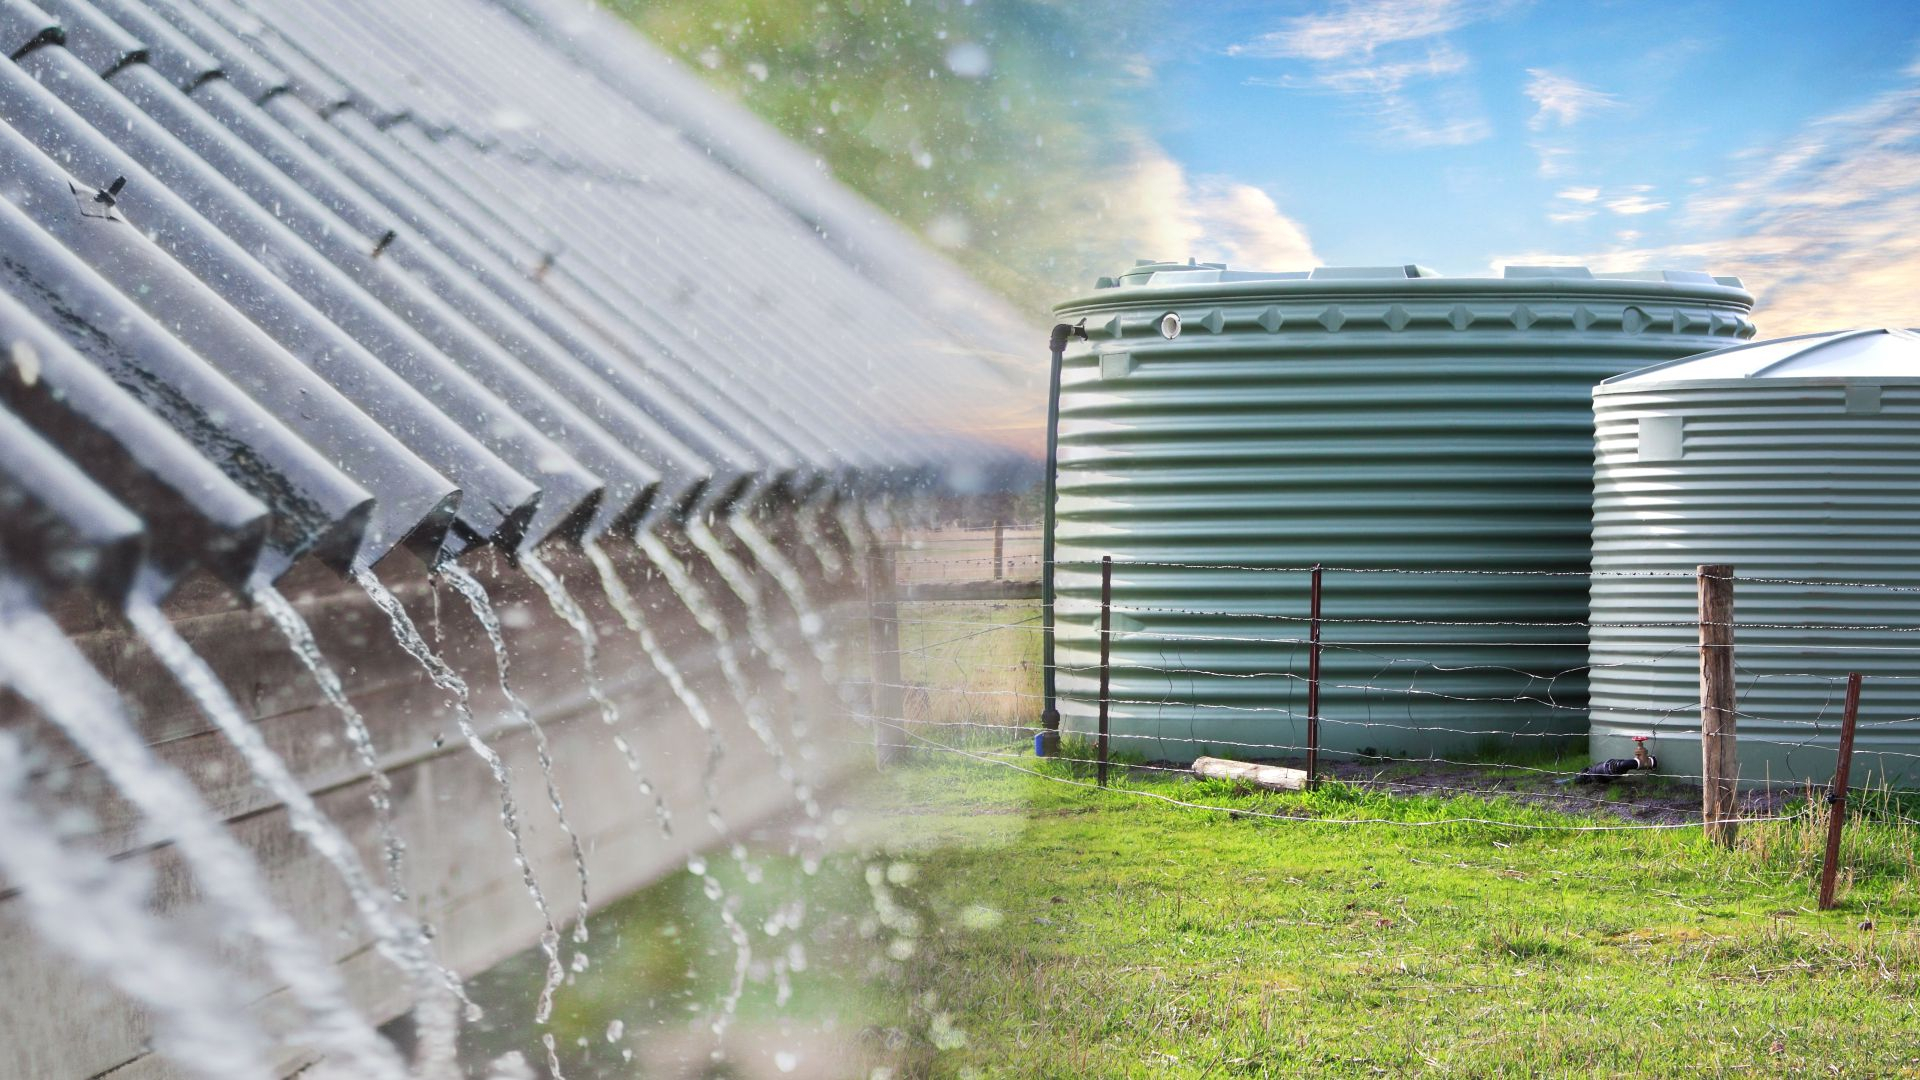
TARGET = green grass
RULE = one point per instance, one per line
(1078, 933)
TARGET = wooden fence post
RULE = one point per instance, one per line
(883, 646)
(1837, 795)
(1313, 684)
(1106, 642)
(1719, 747)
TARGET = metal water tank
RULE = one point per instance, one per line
(1223, 430)
(1797, 461)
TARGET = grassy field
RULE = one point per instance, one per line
(1080, 933)
(986, 915)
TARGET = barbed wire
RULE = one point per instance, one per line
(1445, 672)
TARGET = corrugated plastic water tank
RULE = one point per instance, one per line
(1795, 460)
(1370, 419)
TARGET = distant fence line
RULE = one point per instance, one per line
(901, 728)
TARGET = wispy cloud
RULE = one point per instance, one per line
(1554, 160)
(1819, 225)
(1580, 202)
(1170, 214)
(1561, 102)
(1391, 56)
(1356, 29)
(1634, 201)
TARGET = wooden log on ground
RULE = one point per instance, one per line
(1271, 777)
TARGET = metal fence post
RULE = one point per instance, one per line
(999, 550)
(1719, 750)
(1837, 795)
(883, 648)
(1313, 682)
(1106, 641)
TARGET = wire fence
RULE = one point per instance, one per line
(1448, 681)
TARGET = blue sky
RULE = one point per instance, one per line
(1779, 141)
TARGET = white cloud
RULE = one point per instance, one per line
(1560, 101)
(1386, 78)
(1635, 204)
(1171, 215)
(1568, 217)
(1553, 160)
(1359, 28)
(1391, 57)
(1821, 226)
(1578, 194)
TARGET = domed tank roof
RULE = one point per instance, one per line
(1874, 354)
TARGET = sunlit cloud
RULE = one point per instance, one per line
(1392, 58)
(1578, 194)
(1820, 225)
(1169, 214)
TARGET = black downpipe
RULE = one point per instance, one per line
(1048, 741)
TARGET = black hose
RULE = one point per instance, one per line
(1050, 715)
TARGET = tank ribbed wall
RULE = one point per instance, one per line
(1418, 423)
(1779, 479)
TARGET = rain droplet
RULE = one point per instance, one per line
(969, 60)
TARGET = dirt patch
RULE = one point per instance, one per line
(1646, 798)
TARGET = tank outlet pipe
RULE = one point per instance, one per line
(1048, 741)
(1601, 772)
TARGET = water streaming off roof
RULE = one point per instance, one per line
(304, 294)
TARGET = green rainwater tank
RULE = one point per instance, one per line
(1797, 462)
(1238, 427)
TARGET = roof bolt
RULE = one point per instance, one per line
(110, 194)
(386, 240)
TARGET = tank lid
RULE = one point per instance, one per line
(1152, 274)
(1880, 353)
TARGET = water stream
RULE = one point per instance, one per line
(570, 612)
(855, 522)
(629, 611)
(435, 1017)
(813, 534)
(727, 905)
(740, 581)
(300, 638)
(95, 911)
(787, 576)
(50, 673)
(448, 680)
(475, 594)
(729, 909)
(693, 597)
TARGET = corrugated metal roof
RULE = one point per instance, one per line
(287, 277)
